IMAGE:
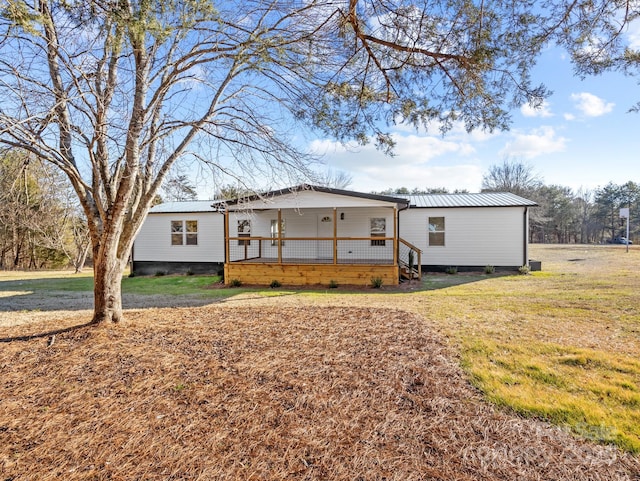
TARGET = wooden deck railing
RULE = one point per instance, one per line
(325, 250)
(409, 268)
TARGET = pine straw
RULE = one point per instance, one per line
(267, 394)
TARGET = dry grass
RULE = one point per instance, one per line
(265, 394)
(562, 344)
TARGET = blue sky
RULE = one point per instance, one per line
(583, 137)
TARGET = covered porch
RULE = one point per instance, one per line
(303, 241)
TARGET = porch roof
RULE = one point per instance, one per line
(311, 196)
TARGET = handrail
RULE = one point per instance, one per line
(411, 247)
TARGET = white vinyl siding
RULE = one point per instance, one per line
(473, 236)
(204, 243)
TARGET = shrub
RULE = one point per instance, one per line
(189, 272)
(376, 282)
(489, 269)
(275, 283)
(235, 283)
(524, 270)
(451, 270)
(333, 284)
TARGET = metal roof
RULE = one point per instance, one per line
(181, 207)
(485, 199)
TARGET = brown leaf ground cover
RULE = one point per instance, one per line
(266, 393)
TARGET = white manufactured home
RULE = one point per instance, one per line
(314, 235)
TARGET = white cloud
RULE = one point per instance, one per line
(409, 150)
(590, 105)
(419, 161)
(633, 33)
(540, 141)
(463, 176)
(530, 111)
(457, 132)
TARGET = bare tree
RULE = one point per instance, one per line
(511, 176)
(178, 187)
(336, 179)
(115, 92)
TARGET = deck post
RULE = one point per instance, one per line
(396, 245)
(226, 237)
(335, 235)
(279, 236)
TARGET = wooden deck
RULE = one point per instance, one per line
(305, 274)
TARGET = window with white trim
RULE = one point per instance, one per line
(184, 232)
(378, 229)
(244, 230)
(436, 231)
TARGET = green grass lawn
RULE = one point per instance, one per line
(67, 281)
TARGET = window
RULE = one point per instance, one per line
(177, 231)
(436, 231)
(192, 232)
(184, 232)
(274, 231)
(378, 229)
(244, 230)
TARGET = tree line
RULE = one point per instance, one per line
(41, 226)
(565, 215)
(585, 216)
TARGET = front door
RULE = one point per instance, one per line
(325, 230)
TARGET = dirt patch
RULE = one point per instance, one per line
(271, 393)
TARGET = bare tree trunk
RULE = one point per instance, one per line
(16, 247)
(107, 279)
(80, 258)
